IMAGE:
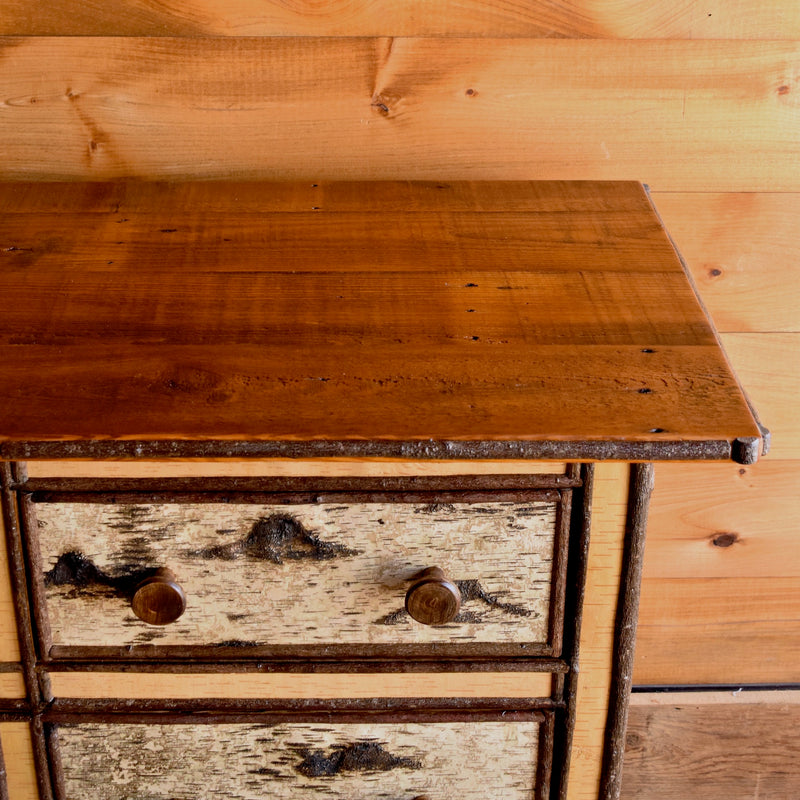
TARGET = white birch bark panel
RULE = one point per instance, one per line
(297, 574)
(295, 761)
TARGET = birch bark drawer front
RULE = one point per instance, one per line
(301, 574)
(471, 757)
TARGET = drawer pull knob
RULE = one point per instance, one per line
(433, 598)
(159, 599)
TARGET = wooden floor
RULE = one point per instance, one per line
(715, 746)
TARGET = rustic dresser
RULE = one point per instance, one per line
(336, 490)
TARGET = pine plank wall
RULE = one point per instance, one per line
(700, 100)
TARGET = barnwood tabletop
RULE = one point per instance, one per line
(548, 320)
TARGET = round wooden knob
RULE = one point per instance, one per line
(159, 599)
(433, 599)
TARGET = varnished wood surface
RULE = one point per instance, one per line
(12, 684)
(299, 760)
(690, 19)
(152, 199)
(716, 746)
(137, 685)
(594, 336)
(9, 646)
(561, 306)
(609, 511)
(677, 114)
(15, 739)
(325, 468)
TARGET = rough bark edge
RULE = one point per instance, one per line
(579, 564)
(422, 450)
(192, 665)
(451, 483)
(399, 710)
(19, 585)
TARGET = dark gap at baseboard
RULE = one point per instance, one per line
(716, 687)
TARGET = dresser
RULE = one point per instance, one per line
(336, 490)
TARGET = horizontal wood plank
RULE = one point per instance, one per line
(723, 630)
(676, 114)
(744, 254)
(689, 19)
(722, 576)
(210, 198)
(733, 748)
(485, 391)
(286, 468)
(724, 521)
(360, 309)
(768, 364)
(335, 242)
(274, 685)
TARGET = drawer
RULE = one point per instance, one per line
(406, 758)
(324, 575)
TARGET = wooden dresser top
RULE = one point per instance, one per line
(547, 320)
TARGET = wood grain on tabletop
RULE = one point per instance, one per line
(719, 747)
(625, 18)
(625, 354)
(677, 113)
(431, 241)
(468, 391)
(744, 253)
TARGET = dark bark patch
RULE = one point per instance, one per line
(394, 618)
(75, 570)
(235, 643)
(277, 538)
(437, 508)
(471, 590)
(358, 757)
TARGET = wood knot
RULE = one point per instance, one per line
(725, 539)
(381, 106)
